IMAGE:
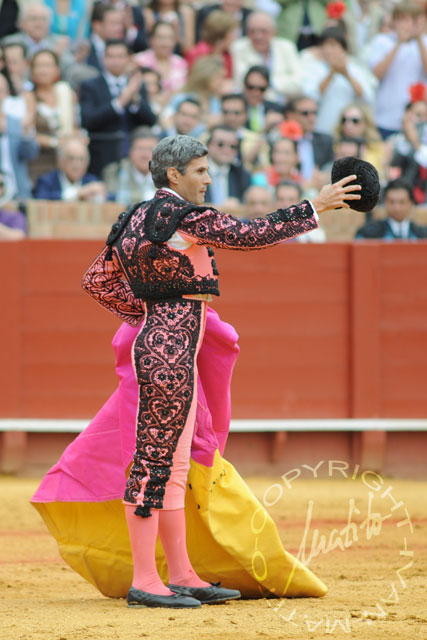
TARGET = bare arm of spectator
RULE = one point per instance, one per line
(341, 66)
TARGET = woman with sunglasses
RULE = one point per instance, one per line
(357, 121)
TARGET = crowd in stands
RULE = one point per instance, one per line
(276, 89)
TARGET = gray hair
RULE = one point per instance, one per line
(142, 133)
(62, 149)
(177, 152)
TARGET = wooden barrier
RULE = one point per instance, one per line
(55, 219)
(326, 331)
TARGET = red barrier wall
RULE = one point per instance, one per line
(325, 330)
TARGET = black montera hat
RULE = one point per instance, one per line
(367, 177)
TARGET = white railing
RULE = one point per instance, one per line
(45, 425)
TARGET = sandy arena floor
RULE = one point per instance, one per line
(377, 583)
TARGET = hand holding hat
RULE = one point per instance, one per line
(366, 176)
(349, 176)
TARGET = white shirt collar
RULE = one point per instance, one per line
(122, 80)
(400, 229)
(218, 168)
(171, 191)
(69, 190)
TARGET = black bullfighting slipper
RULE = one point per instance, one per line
(214, 594)
(137, 598)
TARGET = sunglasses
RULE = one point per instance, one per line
(308, 112)
(256, 87)
(221, 144)
(232, 112)
(353, 120)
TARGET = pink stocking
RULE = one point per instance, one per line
(172, 535)
(143, 535)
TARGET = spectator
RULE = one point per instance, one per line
(187, 119)
(17, 74)
(70, 182)
(284, 162)
(13, 224)
(315, 150)
(256, 83)
(335, 79)
(399, 60)
(398, 204)
(180, 16)
(161, 57)
(156, 98)
(130, 179)
(107, 23)
(287, 193)
(15, 57)
(206, 82)
(218, 32)
(153, 84)
(34, 25)
(232, 7)
(257, 201)
(253, 149)
(357, 121)
(261, 47)
(229, 179)
(112, 105)
(53, 105)
(17, 148)
(135, 31)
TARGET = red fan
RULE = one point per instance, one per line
(291, 129)
(418, 92)
(335, 10)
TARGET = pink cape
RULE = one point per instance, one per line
(93, 467)
(80, 498)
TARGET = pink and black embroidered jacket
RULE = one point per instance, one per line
(140, 262)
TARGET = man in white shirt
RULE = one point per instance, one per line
(334, 79)
(261, 47)
(399, 60)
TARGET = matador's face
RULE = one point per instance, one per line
(192, 184)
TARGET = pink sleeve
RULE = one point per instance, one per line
(223, 231)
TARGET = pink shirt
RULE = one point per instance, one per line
(178, 71)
